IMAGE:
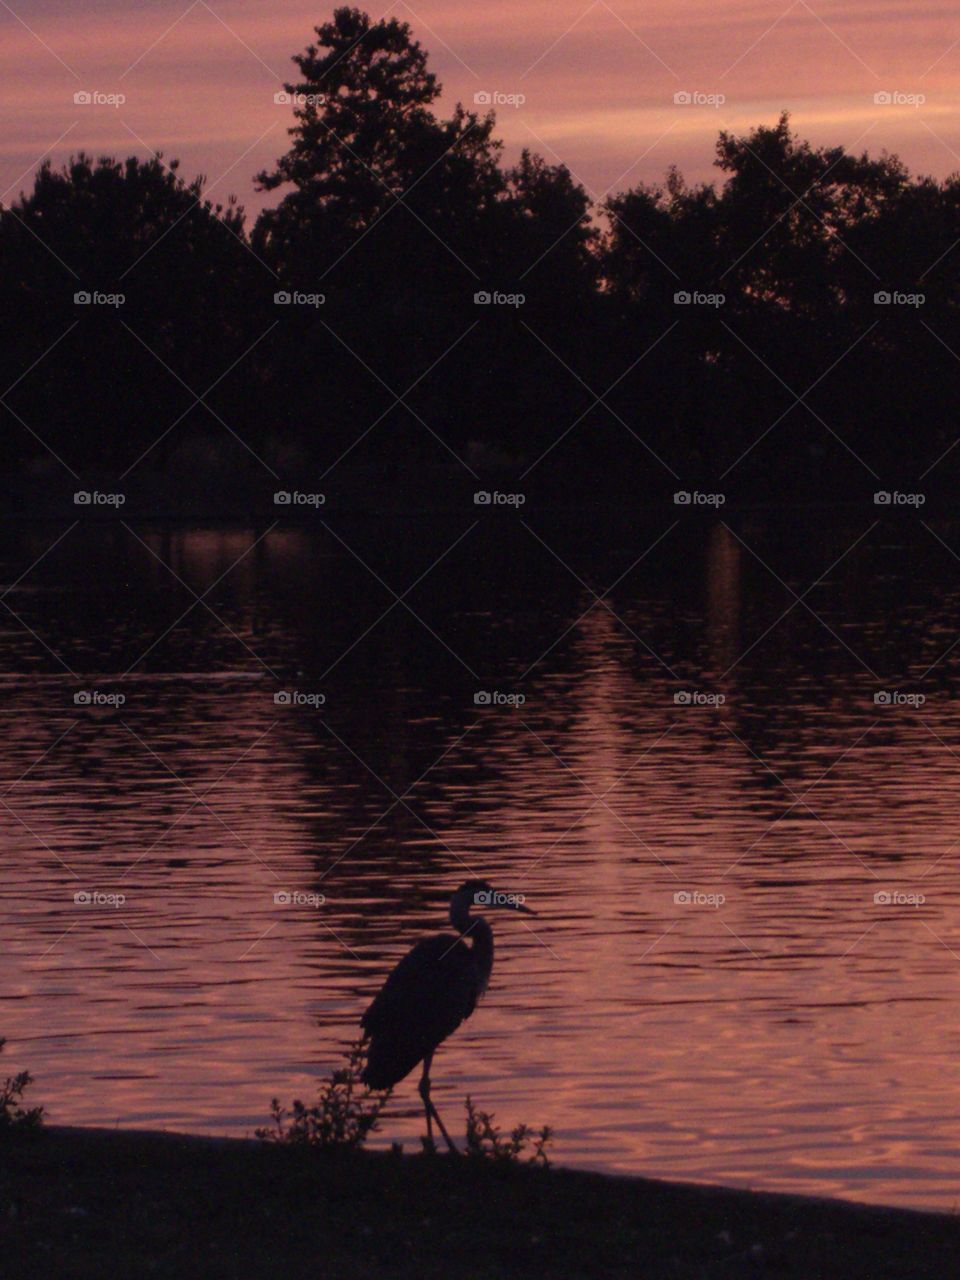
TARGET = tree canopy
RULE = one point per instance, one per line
(398, 216)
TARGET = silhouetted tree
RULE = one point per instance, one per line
(133, 230)
(367, 140)
(399, 215)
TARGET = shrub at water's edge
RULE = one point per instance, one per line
(343, 1117)
(13, 1115)
(485, 1141)
(346, 1113)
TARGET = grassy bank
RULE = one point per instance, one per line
(94, 1203)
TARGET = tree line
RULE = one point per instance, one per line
(413, 302)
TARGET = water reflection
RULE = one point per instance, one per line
(713, 988)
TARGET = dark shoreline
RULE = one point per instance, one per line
(92, 1203)
(262, 515)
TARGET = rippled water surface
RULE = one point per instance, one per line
(790, 1021)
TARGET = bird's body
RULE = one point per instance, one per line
(433, 989)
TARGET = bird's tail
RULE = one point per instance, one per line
(373, 1079)
(389, 1059)
(377, 1072)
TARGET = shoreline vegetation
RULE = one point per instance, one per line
(92, 1204)
(415, 315)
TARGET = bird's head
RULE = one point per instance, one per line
(480, 895)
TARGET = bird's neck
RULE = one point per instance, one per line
(476, 930)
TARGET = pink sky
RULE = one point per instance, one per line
(599, 79)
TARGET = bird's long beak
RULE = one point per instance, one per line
(517, 906)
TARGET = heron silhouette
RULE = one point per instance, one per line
(432, 990)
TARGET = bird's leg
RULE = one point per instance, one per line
(454, 1150)
(424, 1088)
(431, 1110)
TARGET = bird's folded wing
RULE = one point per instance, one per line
(429, 993)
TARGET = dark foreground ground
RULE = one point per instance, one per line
(94, 1203)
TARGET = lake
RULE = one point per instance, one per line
(719, 757)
